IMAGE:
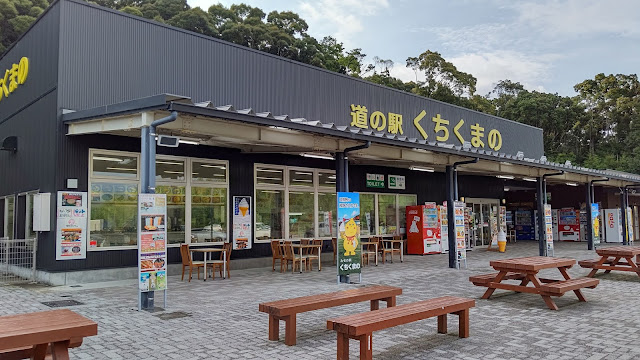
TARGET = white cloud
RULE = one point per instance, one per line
(340, 18)
(491, 67)
(580, 17)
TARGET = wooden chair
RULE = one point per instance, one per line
(398, 248)
(334, 244)
(187, 262)
(381, 249)
(313, 254)
(369, 249)
(277, 254)
(220, 263)
(290, 256)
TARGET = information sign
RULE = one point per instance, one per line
(242, 222)
(461, 248)
(375, 181)
(548, 223)
(595, 224)
(152, 242)
(396, 182)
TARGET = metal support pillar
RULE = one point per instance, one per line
(623, 213)
(340, 173)
(542, 248)
(455, 184)
(449, 173)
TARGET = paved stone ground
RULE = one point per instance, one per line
(224, 321)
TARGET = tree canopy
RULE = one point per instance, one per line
(598, 128)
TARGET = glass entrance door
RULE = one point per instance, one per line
(482, 222)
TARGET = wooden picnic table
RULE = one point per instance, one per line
(29, 335)
(526, 271)
(614, 258)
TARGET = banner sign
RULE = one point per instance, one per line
(241, 222)
(548, 223)
(461, 247)
(71, 229)
(493, 218)
(502, 219)
(595, 224)
(349, 249)
(152, 242)
(629, 225)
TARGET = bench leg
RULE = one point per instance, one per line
(39, 351)
(579, 295)
(442, 324)
(274, 328)
(343, 346)
(375, 305)
(391, 302)
(463, 320)
(366, 347)
(550, 303)
(60, 350)
(290, 329)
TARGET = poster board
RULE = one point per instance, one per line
(71, 225)
(629, 226)
(461, 247)
(349, 249)
(242, 230)
(444, 228)
(152, 242)
(548, 226)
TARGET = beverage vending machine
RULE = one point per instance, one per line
(613, 225)
(423, 231)
(568, 224)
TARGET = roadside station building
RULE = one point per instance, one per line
(84, 80)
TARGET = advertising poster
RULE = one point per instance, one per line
(493, 217)
(502, 219)
(241, 222)
(595, 224)
(71, 229)
(349, 249)
(548, 221)
(430, 222)
(467, 227)
(461, 246)
(152, 242)
(444, 227)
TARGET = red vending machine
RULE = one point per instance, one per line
(422, 232)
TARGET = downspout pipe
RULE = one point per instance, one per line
(455, 175)
(151, 160)
(346, 161)
(590, 199)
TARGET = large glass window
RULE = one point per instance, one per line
(387, 214)
(327, 214)
(113, 214)
(269, 210)
(301, 177)
(197, 198)
(403, 202)
(121, 166)
(301, 224)
(208, 214)
(368, 214)
(269, 176)
(176, 199)
(9, 211)
(29, 233)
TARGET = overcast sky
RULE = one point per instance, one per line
(545, 45)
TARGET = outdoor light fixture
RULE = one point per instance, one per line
(167, 162)
(104, 158)
(506, 189)
(318, 156)
(529, 179)
(189, 142)
(572, 184)
(509, 177)
(420, 168)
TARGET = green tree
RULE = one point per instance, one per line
(195, 20)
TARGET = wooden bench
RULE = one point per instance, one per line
(589, 264)
(361, 326)
(40, 334)
(287, 309)
(558, 288)
(480, 280)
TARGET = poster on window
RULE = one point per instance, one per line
(349, 249)
(241, 222)
(71, 229)
(152, 242)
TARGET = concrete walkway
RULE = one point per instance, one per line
(221, 319)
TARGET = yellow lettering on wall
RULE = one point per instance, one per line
(13, 77)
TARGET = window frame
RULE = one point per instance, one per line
(6, 217)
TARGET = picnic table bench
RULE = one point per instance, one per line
(614, 258)
(526, 271)
(361, 326)
(287, 309)
(40, 334)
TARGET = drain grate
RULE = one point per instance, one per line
(62, 303)
(173, 315)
